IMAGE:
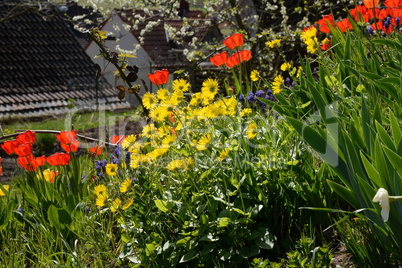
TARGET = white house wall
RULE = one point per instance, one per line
(127, 41)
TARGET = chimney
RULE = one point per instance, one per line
(184, 8)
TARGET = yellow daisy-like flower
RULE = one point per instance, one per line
(286, 66)
(128, 204)
(135, 148)
(245, 112)
(312, 45)
(223, 154)
(157, 153)
(130, 139)
(203, 143)
(252, 130)
(111, 169)
(196, 99)
(209, 89)
(309, 33)
(125, 185)
(149, 130)
(100, 189)
(185, 164)
(181, 85)
(6, 187)
(168, 140)
(255, 75)
(101, 200)
(115, 205)
(273, 43)
(175, 164)
(149, 100)
(160, 113)
(162, 94)
(277, 85)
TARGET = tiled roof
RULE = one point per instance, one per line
(156, 42)
(42, 66)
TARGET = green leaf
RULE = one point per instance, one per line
(372, 172)
(345, 193)
(223, 222)
(59, 217)
(188, 256)
(248, 252)
(163, 206)
(395, 159)
(182, 242)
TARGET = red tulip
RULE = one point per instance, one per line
(117, 139)
(68, 140)
(58, 159)
(159, 77)
(9, 146)
(234, 41)
(238, 57)
(38, 161)
(23, 149)
(96, 150)
(25, 162)
(371, 3)
(27, 137)
(344, 25)
(219, 59)
(327, 19)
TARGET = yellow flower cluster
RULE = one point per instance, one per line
(309, 38)
(102, 196)
(273, 43)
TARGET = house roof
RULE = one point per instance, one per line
(43, 66)
(165, 52)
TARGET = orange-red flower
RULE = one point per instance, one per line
(117, 139)
(68, 140)
(327, 19)
(238, 57)
(96, 150)
(371, 3)
(159, 77)
(58, 159)
(219, 59)
(9, 146)
(27, 137)
(234, 41)
(31, 163)
(23, 149)
(344, 25)
(393, 3)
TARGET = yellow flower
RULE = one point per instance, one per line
(209, 89)
(125, 185)
(111, 169)
(309, 33)
(273, 43)
(100, 189)
(245, 112)
(252, 130)
(128, 141)
(162, 94)
(181, 85)
(312, 44)
(168, 140)
(160, 113)
(185, 164)
(286, 66)
(115, 205)
(255, 75)
(223, 154)
(196, 99)
(128, 203)
(149, 100)
(277, 85)
(101, 200)
(6, 187)
(203, 143)
(149, 130)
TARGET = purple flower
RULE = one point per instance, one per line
(260, 93)
(241, 98)
(251, 97)
(117, 151)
